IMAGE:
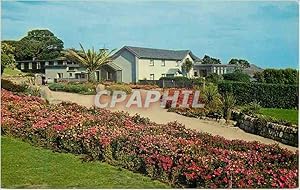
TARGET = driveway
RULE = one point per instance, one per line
(160, 115)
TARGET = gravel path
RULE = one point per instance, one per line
(159, 115)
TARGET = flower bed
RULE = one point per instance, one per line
(170, 152)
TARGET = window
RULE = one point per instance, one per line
(163, 63)
(195, 73)
(70, 74)
(151, 76)
(47, 63)
(30, 65)
(64, 62)
(163, 75)
(60, 75)
(151, 62)
(22, 66)
(55, 63)
(177, 63)
(38, 65)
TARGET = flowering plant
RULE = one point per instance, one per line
(169, 152)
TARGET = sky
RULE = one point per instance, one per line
(263, 32)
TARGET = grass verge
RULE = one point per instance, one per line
(25, 166)
(283, 114)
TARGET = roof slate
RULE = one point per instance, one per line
(152, 53)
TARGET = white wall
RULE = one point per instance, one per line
(144, 68)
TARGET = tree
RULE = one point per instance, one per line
(89, 59)
(7, 57)
(187, 66)
(210, 60)
(237, 76)
(39, 44)
(240, 63)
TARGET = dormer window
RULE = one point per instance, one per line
(151, 62)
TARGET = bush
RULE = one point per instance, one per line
(10, 86)
(168, 152)
(267, 95)
(214, 78)
(181, 82)
(81, 88)
(278, 76)
(237, 76)
(251, 109)
(119, 87)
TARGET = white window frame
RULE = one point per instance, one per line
(163, 63)
(22, 66)
(30, 65)
(151, 62)
(152, 76)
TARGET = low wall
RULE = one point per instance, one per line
(285, 134)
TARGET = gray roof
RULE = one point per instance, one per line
(113, 66)
(151, 53)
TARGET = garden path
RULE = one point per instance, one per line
(157, 114)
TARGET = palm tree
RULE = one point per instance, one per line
(211, 98)
(89, 59)
(228, 105)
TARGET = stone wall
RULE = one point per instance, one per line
(285, 134)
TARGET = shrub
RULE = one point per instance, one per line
(119, 87)
(168, 152)
(267, 95)
(278, 76)
(238, 76)
(212, 98)
(74, 87)
(214, 78)
(228, 105)
(251, 109)
(9, 85)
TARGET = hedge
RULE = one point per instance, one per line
(81, 88)
(267, 95)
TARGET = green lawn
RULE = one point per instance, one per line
(285, 114)
(25, 166)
